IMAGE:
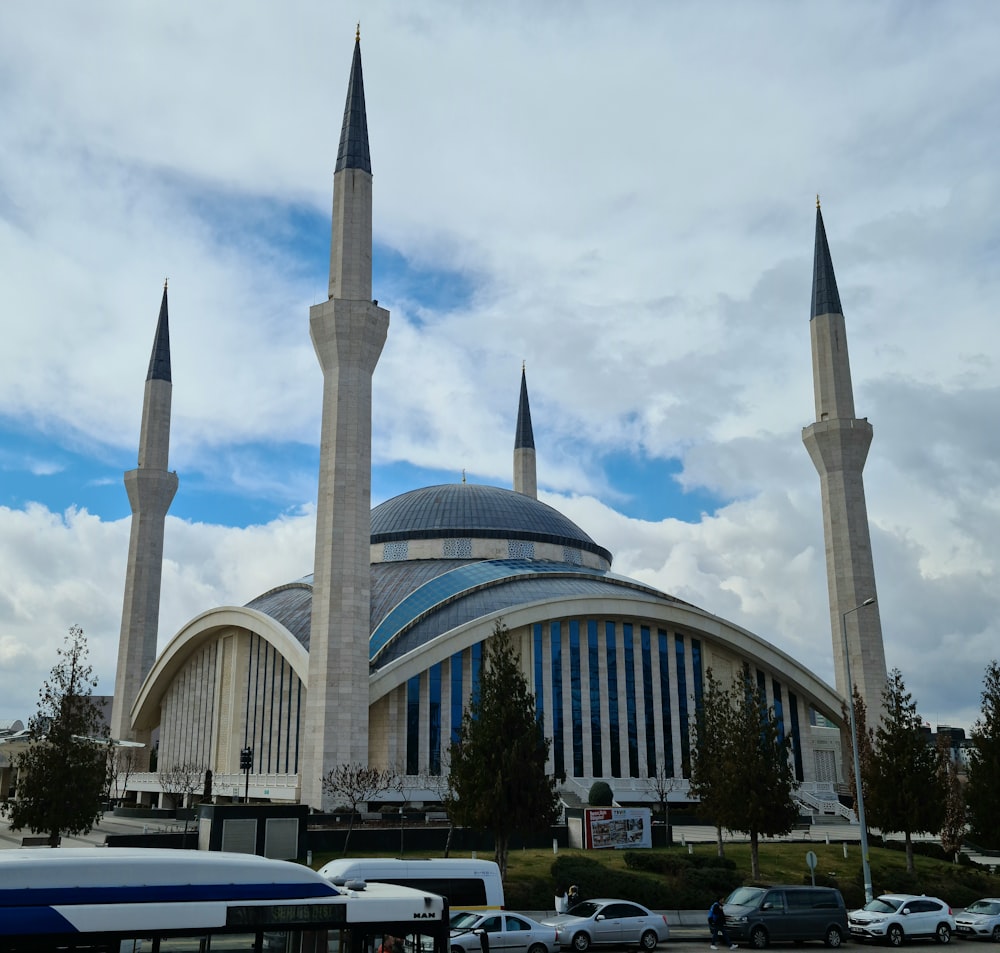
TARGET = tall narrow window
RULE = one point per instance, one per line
(779, 715)
(630, 707)
(668, 737)
(434, 719)
(539, 677)
(647, 700)
(476, 666)
(697, 673)
(682, 706)
(457, 672)
(558, 748)
(611, 654)
(413, 725)
(576, 697)
(593, 657)
(793, 713)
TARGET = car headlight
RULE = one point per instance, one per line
(877, 920)
(741, 919)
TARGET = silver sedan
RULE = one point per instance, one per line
(505, 933)
(609, 923)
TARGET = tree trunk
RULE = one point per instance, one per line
(720, 847)
(54, 838)
(447, 842)
(754, 855)
(347, 836)
(501, 854)
(910, 867)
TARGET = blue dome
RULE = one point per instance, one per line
(472, 510)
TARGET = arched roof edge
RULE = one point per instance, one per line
(196, 633)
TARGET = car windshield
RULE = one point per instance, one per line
(883, 905)
(463, 921)
(990, 907)
(586, 909)
(745, 896)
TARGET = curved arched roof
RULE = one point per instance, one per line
(477, 511)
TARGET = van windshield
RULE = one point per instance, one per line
(745, 896)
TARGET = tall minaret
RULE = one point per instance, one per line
(348, 332)
(525, 480)
(151, 488)
(838, 444)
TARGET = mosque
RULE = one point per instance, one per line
(374, 656)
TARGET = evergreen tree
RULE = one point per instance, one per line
(62, 774)
(743, 764)
(866, 742)
(710, 779)
(905, 792)
(984, 765)
(953, 823)
(498, 762)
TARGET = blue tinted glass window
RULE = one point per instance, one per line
(555, 645)
(647, 700)
(434, 718)
(696, 672)
(611, 654)
(682, 707)
(593, 658)
(539, 677)
(663, 644)
(779, 714)
(457, 670)
(413, 725)
(576, 697)
(628, 650)
(793, 714)
(476, 666)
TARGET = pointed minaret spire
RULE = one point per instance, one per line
(825, 297)
(348, 333)
(838, 445)
(525, 478)
(151, 488)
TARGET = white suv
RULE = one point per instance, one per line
(897, 917)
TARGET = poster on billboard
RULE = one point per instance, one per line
(618, 827)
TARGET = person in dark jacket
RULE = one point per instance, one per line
(717, 924)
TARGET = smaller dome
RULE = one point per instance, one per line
(477, 511)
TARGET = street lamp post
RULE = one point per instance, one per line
(865, 866)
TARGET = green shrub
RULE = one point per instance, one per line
(601, 794)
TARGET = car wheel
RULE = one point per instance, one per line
(648, 940)
(537, 948)
(943, 933)
(581, 943)
(894, 935)
(833, 938)
(457, 949)
(758, 938)
(996, 933)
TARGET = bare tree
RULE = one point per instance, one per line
(662, 783)
(121, 765)
(356, 784)
(180, 782)
(440, 784)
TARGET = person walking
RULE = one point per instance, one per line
(717, 924)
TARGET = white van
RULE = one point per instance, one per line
(468, 884)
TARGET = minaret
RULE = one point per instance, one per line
(525, 480)
(838, 444)
(151, 488)
(348, 332)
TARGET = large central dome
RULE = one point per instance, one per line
(474, 510)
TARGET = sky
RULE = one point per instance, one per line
(621, 196)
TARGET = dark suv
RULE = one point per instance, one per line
(760, 915)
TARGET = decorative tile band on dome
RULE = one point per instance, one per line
(459, 582)
(476, 511)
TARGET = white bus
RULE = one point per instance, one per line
(467, 884)
(131, 900)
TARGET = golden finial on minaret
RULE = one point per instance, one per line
(463, 474)
(522, 366)
(357, 33)
(165, 280)
(817, 200)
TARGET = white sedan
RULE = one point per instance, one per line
(505, 933)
